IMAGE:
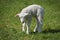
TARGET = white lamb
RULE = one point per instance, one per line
(26, 17)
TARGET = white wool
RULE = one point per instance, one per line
(26, 17)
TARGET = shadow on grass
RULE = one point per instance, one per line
(48, 31)
(51, 31)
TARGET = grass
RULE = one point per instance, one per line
(10, 26)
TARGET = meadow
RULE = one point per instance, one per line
(10, 26)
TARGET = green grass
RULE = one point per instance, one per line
(10, 26)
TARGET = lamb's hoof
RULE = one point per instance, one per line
(27, 32)
(23, 31)
(35, 31)
(39, 31)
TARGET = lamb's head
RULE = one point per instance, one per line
(22, 16)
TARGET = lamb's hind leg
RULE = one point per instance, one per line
(40, 23)
(37, 24)
(40, 19)
(38, 27)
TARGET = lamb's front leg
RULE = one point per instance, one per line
(23, 27)
(28, 28)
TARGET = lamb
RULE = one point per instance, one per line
(26, 17)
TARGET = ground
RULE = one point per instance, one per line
(10, 26)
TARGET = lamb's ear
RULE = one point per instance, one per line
(17, 15)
